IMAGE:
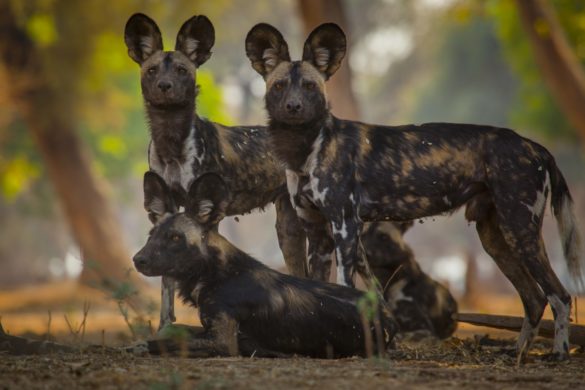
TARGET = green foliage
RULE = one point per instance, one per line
(84, 53)
(535, 108)
(470, 81)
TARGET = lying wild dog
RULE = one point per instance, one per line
(418, 302)
(238, 295)
(341, 173)
(185, 146)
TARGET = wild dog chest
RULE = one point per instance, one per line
(179, 171)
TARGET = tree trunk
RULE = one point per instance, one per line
(558, 63)
(50, 119)
(339, 89)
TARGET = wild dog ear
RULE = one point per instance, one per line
(142, 37)
(266, 48)
(325, 48)
(207, 200)
(158, 198)
(196, 38)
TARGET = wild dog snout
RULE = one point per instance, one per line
(164, 85)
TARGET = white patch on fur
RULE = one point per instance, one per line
(292, 182)
(310, 166)
(537, 209)
(342, 231)
(195, 293)
(321, 56)
(157, 206)
(205, 208)
(190, 153)
(174, 172)
(340, 269)
(526, 337)
(396, 294)
(270, 57)
(147, 45)
(571, 240)
(155, 164)
(563, 311)
(446, 200)
(191, 48)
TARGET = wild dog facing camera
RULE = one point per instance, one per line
(168, 77)
(176, 237)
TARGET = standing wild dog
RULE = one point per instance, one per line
(236, 294)
(341, 173)
(185, 146)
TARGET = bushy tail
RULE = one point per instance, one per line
(562, 206)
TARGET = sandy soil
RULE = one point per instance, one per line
(468, 360)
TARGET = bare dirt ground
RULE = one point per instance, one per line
(468, 360)
(449, 364)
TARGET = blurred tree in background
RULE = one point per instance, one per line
(408, 60)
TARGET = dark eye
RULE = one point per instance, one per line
(309, 85)
(152, 70)
(181, 70)
(175, 238)
(279, 85)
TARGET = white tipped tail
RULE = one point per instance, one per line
(571, 240)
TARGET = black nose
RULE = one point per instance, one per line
(164, 85)
(139, 260)
(293, 107)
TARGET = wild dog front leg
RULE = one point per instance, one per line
(167, 307)
(291, 237)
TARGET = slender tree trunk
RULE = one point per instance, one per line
(50, 119)
(560, 66)
(339, 89)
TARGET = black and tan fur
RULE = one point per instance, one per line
(185, 146)
(238, 296)
(341, 173)
(418, 302)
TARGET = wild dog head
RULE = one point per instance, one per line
(419, 302)
(182, 244)
(168, 77)
(295, 90)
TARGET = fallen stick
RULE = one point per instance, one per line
(546, 329)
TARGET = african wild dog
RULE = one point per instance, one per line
(418, 302)
(236, 294)
(341, 173)
(185, 146)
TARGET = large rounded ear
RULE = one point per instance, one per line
(142, 37)
(207, 200)
(158, 198)
(196, 38)
(266, 48)
(325, 48)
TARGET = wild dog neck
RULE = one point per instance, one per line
(169, 128)
(293, 143)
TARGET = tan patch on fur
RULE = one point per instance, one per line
(227, 149)
(310, 73)
(463, 161)
(365, 142)
(390, 230)
(219, 242)
(187, 226)
(281, 72)
(177, 57)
